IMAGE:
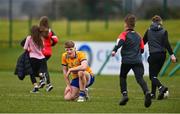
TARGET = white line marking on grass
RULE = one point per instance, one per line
(29, 95)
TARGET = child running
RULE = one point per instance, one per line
(132, 47)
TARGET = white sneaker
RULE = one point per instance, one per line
(49, 87)
(41, 84)
(87, 94)
(81, 99)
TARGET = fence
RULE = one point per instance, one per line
(68, 9)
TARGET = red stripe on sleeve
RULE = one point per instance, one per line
(142, 44)
(123, 35)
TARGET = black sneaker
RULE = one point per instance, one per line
(162, 90)
(153, 96)
(147, 100)
(124, 100)
(35, 90)
(49, 87)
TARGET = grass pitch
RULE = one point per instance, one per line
(15, 96)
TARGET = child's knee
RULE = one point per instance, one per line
(67, 98)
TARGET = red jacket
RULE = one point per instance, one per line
(48, 42)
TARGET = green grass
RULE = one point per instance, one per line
(78, 29)
(104, 96)
(15, 96)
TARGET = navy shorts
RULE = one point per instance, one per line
(75, 82)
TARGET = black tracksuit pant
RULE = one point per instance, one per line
(138, 70)
(156, 61)
(45, 67)
(36, 64)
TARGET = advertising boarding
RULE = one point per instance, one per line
(97, 53)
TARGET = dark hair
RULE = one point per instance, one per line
(156, 19)
(44, 31)
(35, 34)
(44, 21)
(69, 44)
(130, 20)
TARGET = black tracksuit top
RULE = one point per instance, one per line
(157, 38)
(132, 44)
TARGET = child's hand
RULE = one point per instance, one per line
(173, 58)
(113, 53)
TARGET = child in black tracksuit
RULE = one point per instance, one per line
(157, 38)
(132, 47)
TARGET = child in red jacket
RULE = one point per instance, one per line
(50, 39)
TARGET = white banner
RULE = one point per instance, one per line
(97, 52)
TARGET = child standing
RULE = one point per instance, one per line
(34, 46)
(49, 40)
